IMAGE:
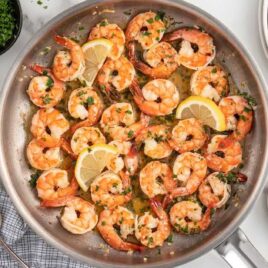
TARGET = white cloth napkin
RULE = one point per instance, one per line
(26, 244)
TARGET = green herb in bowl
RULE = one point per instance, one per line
(7, 22)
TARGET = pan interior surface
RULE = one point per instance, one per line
(16, 112)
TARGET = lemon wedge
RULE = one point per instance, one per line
(91, 162)
(95, 51)
(203, 109)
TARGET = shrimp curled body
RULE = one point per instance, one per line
(214, 192)
(158, 97)
(78, 216)
(53, 186)
(125, 220)
(43, 158)
(68, 65)
(186, 217)
(48, 125)
(196, 49)
(111, 190)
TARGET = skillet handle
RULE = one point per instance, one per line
(238, 251)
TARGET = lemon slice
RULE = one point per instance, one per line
(203, 109)
(95, 51)
(91, 162)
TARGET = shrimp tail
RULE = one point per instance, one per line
(227, 142)
(61, 40)
(145, 119)
(166, 201)
(85, 123)
(135, 247)
(156, 207)
(172, 36)
(138, 64)
(131, 159)
(136, 90)
(241, 177)
(205, 222)
(65, 145)
(40, 69)
(74, 184)
(180, 191)
(59, 202)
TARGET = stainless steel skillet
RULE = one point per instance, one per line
(15, 111)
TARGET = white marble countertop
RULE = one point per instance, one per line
(241, 17)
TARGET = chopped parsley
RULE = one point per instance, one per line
(81, 93)
(170, 238)
(251, 101)
(227, 178)
(103, 223)
(150, 240)
(50, 82)
(128, 12)
(214, 70)
(90, 101)
(34, 178)
(126, 191)
(46, 99)
(102, 87)
(247, 110)
(128, 112)
(146, 33)
(104, 23)
(242, 117)
(130, 134)
(159, 15)
(184, 229)
(150, 21)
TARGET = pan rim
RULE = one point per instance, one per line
(33, 223)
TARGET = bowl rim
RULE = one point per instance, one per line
(19, 25)
(240, 216)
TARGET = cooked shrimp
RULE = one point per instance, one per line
(188, 135)
(223, 154)
(128, 157)
(213, 192)
(78, 216)
(124, 219)
(196, 49)
(233, 107)
(47, 127)
(43, 158)
(85, 104)
(189, 170)
(210, 82)
(53, 186)
(111, 190)
(157, 97)
(187, 217)
(119, 121)
(156, 179)
(152, 231)
(145, 28)
(155, 139)
(116, 75)
(68, 65)
(111, 32)
(85, 137)
(162, 60)
(45, 91)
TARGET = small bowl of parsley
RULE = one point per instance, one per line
(10, 23)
